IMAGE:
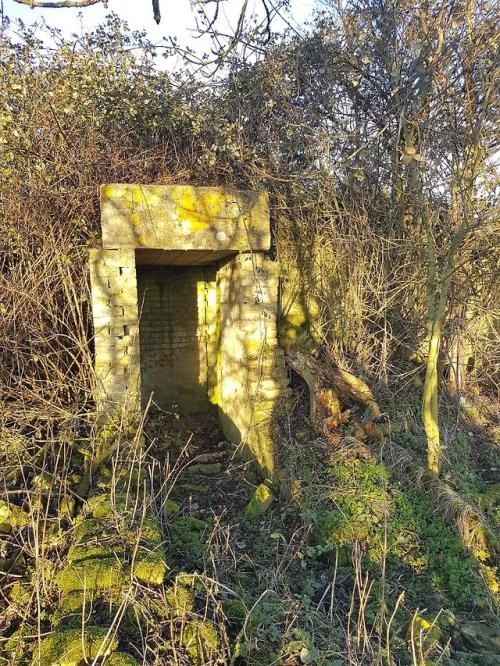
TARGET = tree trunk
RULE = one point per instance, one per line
(430, 405)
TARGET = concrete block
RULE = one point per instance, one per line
(182, 217)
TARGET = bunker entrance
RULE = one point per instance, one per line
(179, 329)
(185, 305)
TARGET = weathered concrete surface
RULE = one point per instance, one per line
(251, 372)
(195, 332)
(177, 336)
(182, 217)
(116, 328)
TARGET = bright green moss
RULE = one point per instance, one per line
(234, 610)
(179, 599)
(103, 506)
(260, 502)
(189, 538)
(83, 551)
(150, 567)
(149, 531)
(74, 601)
(200, 640)
(69, 647)
(96, 574)
(11, 517)
(121, 659)
(86, 528)
(20, 594)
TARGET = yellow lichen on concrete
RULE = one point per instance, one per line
(182, 217)
(196, 211)
(234, 356)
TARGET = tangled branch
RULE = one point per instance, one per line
(59, 4)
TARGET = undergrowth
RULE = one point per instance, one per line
(349, 565)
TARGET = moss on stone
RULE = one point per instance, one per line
(179, 599)
(20, 594)
(149, 531)
(99, 506)
(67, 507)
(11, 517)
(234, 610)
(200, 640)
(423, 633)
(85, 551)
(103, 506)
(492, 494)
(183, 489)
(260, 502)
(69, 647)
(85, 528)
(121, 659)
(150, 567)
(170, 507)
(208, 469)
(75, 601)
(94, 574)
(188, 538)
(71, 605)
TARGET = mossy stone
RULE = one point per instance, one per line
(182, 489)
(15, 643)
(20, 594)
(99, 506)
(260, 502)
(170, 508)
(69, 647)
(85, 551)
(121, 659)
(150, 567)
(11, 517)
(492, 494)
(85, 528)
(67, 507)
(480, 636)
(71, 605)
(234, 610)
(423, 632)
(200, 640)
(74, 601)
(94, 574)
(149, 531)
(189, 538)
(179, 599)
(207, 469)
(102, 505)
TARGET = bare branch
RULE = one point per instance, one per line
(156, 10)
(58, 4)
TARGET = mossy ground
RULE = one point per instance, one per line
(346, 555)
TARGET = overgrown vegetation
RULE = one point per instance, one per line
(375, 136)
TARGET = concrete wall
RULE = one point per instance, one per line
(251, 368)
(201, 339)
(182, 217)
(115, 310)
(177, 356)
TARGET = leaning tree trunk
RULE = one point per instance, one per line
(430, 405)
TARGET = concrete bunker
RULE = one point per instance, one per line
(185, 302)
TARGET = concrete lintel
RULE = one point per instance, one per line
(183, 217)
